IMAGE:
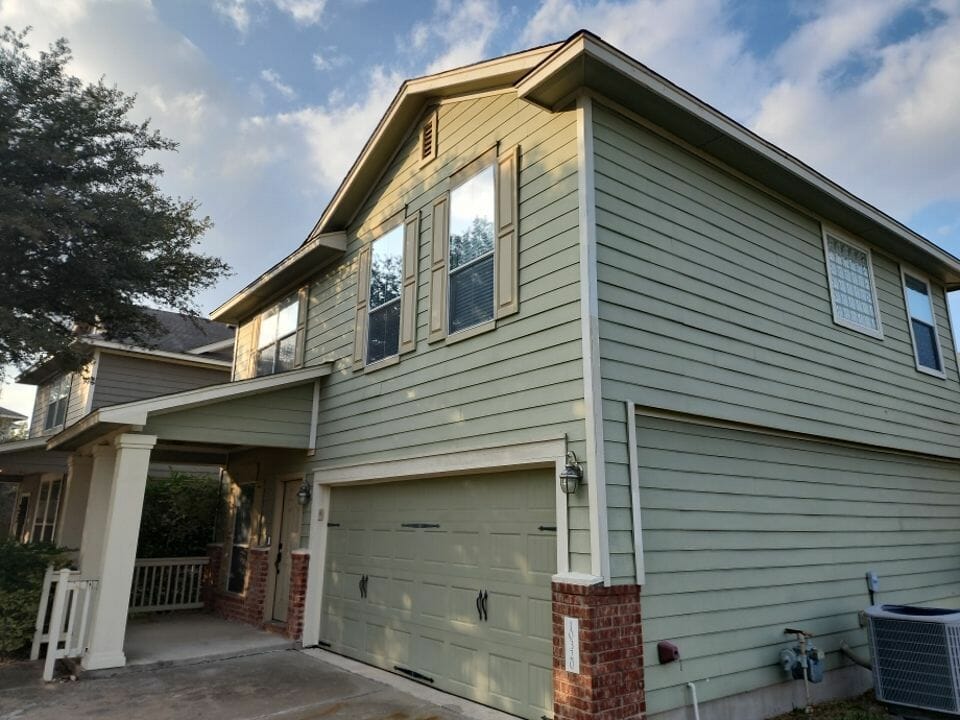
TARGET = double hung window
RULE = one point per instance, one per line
(277, 339)
(242, 533)
(923, 324)
(57, 403)
(471, 252)
(386, 286)
(45, 517)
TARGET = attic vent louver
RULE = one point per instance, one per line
(428, 138)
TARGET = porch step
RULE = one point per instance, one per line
(276, 627)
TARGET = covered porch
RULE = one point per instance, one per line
(111, 451)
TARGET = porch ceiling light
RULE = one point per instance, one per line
(571, 475)
(303, 494)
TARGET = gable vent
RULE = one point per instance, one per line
(428, 139)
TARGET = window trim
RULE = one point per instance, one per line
(396, 221)
(925, 279)
(460, 177)
(827, 231)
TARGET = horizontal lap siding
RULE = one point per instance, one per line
(520, 382)
(714, 301)
(122, 379)
(745, 534)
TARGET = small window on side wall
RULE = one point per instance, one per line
(386, 285)
(923, 324)
(277, 340)
(853, 294)
(471, 271)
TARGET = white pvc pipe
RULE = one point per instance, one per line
(696, 706)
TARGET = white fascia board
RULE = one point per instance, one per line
(20, 445)
(212, 347)
(137, 413)
(161, 354)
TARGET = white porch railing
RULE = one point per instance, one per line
(167, 584)
(62, 624)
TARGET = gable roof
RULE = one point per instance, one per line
(6, 414)
(551, 76)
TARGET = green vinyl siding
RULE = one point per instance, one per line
(520, 382)
(747, 533)
(713, 300)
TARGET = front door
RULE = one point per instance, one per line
(287, 541)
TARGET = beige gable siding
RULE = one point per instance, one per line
(243, 362)
(519, 382)
(39, 411)
(122, 378)
(80, 388)
(714, 301)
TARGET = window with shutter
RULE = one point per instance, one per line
(474, 277)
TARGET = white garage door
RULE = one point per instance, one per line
(448, 581)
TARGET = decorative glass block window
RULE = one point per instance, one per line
(923, 325)
(386, 283)
(242, 532)
(277, 342)
(471, 245)
(852, 290)
(45, 518)
(57, 403)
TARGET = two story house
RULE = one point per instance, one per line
(572, 364)
(183, 353)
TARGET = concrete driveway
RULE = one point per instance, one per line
(280, 685)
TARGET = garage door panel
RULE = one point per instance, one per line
(421, 610)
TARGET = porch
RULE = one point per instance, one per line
(112, 449)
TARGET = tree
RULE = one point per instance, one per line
(86, 235)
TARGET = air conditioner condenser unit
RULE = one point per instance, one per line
(916, 656)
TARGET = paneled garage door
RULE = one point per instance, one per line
(747, 533)
(448, 581)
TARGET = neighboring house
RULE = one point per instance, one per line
(551, 262)
(12, 424)
(184, 353)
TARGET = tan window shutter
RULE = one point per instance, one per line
(303, 305)
(507, 291)
(363, 295)
(438, 269)
(408, 301)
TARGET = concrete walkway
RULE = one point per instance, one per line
(278, 685)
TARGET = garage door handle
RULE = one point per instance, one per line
(479, 611)
(364, 579)
(483, 604)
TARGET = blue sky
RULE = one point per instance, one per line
(272, 99)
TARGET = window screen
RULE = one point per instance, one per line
(386, 281)
(851, 285)
(922, 323)
(471, 252)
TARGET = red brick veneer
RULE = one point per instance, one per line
(248, 606)
(299, 564)
(610, 682)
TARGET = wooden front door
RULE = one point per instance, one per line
(288, 540)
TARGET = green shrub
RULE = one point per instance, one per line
(21, 582)
(179, 515)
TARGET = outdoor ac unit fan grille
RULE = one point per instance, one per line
(913, 663)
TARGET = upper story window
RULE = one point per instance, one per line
(475, 256)
(471, 250)
(923, 324)
(277, 339)
(386, 284)
(57, 403)
(852, 289)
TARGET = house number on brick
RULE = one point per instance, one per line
(571, 644)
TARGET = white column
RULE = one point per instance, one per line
(122, 527)
(95, 517)
(312, 610)
(73, 505)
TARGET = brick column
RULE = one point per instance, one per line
(211, 575)
(258, 574)
(246, 607)
(299, 566)
(609, 685)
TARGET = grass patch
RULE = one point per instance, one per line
(864, 707)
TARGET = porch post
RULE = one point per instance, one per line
(95, 517)
(319, 508)
(73, 506)
(121, 529)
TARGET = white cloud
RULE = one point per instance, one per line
(328, 59)
(241, 12)
(462, 30)
(273, 79)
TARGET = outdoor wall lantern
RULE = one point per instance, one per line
(303, 494)
(571, 475)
